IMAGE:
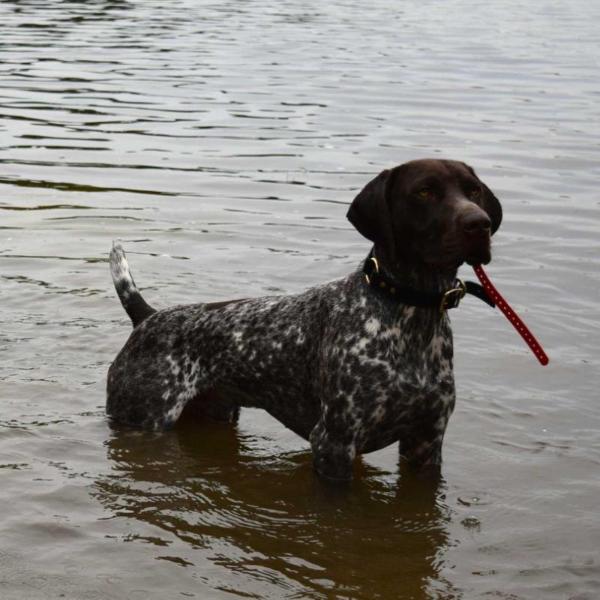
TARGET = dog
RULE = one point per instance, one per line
(352, 365)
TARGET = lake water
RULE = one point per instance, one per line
(222, 143)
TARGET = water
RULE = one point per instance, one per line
(222, 142)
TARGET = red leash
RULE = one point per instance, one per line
(511, 315)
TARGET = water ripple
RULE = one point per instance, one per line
(222, 142)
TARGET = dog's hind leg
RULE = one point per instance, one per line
(213, 404)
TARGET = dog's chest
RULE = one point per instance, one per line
(393, 373)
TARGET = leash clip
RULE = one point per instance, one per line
(452, 298)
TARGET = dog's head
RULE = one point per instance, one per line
(433, 214)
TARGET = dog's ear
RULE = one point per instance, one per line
(489, 203)
(371, 215)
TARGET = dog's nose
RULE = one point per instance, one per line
(476, 223)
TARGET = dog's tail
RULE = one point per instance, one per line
(131, 299)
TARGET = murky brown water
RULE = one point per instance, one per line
(222, 142)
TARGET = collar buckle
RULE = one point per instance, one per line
(452, 298)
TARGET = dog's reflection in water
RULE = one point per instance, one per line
(224, 498)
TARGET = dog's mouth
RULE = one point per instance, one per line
(480, 257)
(450, 259)
(478, 250)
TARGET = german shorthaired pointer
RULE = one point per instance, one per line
(352, 365)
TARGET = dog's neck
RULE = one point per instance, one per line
(419, 325)
(419, 277)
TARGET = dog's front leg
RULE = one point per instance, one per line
(333, 454)
(423, 452)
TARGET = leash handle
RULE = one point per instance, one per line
(511, 315)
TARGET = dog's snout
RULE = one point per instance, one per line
(476, 223)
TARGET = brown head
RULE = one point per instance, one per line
(428, 215)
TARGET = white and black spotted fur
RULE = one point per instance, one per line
(344, 366)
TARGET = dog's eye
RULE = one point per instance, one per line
(474, 193)
(425, 193)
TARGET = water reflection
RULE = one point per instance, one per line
(268, 518)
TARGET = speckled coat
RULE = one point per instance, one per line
(348, 389)
(343, 365)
